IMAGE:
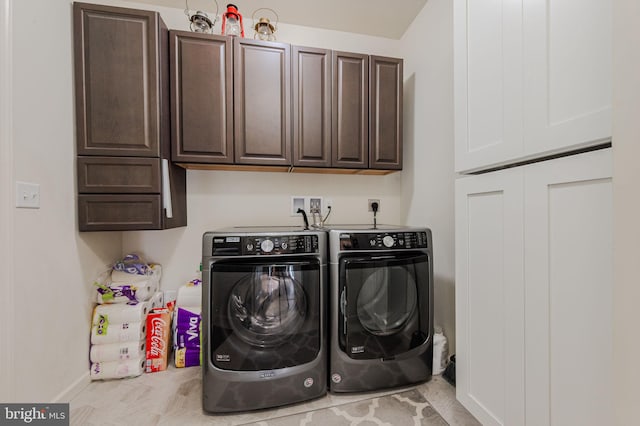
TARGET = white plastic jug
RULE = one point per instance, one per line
(440, 351)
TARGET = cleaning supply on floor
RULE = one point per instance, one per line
(126, 293)
(132, 263)
(158, 339)
(106, 332)
(117, 369)
(440, 351)
(121, 313)
(190, 294)
(157, 300)
(187, 328)
(128, 280)
(187, 357)
(116, 351)
(186, 323)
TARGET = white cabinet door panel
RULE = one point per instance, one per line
(568, 290)
(488, 82)
(490, 297)
(567, 74)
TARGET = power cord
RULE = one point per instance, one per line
(304, 216)
(322, 221)
(374, 207)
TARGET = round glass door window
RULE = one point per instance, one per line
(385, 302)
(267, 306)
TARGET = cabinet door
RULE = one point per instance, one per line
(311, 77)
(117, 81)
(567, 74)
(490, 297)
(385, 113)
(262, 104)
(350, 123)
(201, 97)
(487, 82)
(118, 175)
(569, 285)
(119, 212)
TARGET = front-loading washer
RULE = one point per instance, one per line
(263, 318)
(381, 307)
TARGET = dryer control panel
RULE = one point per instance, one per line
(383, 241)
(233, 245)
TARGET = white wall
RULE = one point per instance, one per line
(428, 178)
(626, 180)
(6, 209)
(49, 265)
(220, 199)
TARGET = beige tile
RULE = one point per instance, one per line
(174, 397)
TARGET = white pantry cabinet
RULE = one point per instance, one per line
(532, 78)
(534, 292)
(490, 296)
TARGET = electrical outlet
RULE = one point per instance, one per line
(370, 202)
(328, 205)
(315, 205)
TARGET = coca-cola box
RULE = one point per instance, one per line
(158, 339)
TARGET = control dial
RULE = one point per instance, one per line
(266, 246)
(388, 241)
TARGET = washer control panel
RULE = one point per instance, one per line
(383, 241)
(264, 245)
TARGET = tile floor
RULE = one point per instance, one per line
(173, 397)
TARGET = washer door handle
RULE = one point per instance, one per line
(343, 310)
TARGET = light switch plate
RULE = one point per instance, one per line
(27, 195)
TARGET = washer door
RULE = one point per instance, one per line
(268, 306)
(264, 315)
(384, 304)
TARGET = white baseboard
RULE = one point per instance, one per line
(74, 389)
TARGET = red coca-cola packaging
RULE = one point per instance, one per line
(158, 339)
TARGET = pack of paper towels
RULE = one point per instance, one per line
(186, 324)
(126, 294)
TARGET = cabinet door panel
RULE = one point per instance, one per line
(311, 106)
(488, 82)
(490, 297)
(201, 92)
(567, 74)
(262, 102)
(385, 113)
(116, 74)
(569, 279)
(119, 212)
(350, 124)
(118, 175)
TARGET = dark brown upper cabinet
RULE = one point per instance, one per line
(125, 178)
(117, 77)
(201, 97)
(350, 124)
(385, 113)
(311, 102)
(262, 102)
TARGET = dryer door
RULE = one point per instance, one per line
(264, 315)
(385, 302)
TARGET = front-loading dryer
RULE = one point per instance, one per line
(263, 317)
(381, 307)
